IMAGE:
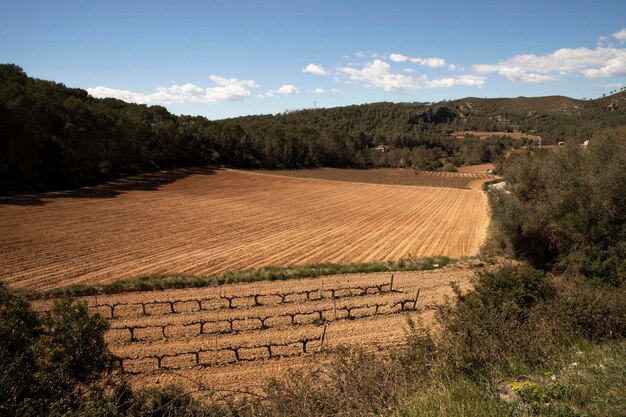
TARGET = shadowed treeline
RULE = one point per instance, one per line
(144, 182)
(53, 137)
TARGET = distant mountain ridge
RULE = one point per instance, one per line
(555, 117)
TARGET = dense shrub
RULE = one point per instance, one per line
(19, 330)
(521, 286)
(517, 317)
(499, 324)
(44, 360)
(449, 167)
(119, 399)
(589, 311)
(566, 208)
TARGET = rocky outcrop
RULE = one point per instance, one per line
(436, 115)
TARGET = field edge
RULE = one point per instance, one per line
(267, 273)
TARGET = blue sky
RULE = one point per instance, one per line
(228, 58)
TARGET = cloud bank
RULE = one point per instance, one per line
(227, 89)
(429, 62)
(378, 74)
(604, 61)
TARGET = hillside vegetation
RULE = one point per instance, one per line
(52, 136)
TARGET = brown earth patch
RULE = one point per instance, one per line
(231, 220)
(486, 135)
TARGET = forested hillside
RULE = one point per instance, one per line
(52, 136)
(554, 118)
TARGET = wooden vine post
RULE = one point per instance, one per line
(322, 339)
(417, 294)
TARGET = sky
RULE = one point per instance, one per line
(225, 59)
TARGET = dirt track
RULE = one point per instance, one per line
(229, 220)
(185, 355)
(481, 168)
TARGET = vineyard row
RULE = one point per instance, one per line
(220, 356)
(237, 324)
(148, 308)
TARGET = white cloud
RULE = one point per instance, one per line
(126, 95)
(286, 89)
(398, 58)
(315, 69)
(591, 63)
(232, 81)
(464, 80)
(378, 74)
(620, 35)
(609, 40)
(615, 67)
(322, 91)
(429, 62)
(228, 89)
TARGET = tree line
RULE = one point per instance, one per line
(52, 136)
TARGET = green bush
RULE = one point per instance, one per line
(45, 360)
(449, 167)
(522, 286)
(517, 317)
(566, 208)
(606, 265)
(19, 330)
(590, 312)
(118, 399)
(500, 323)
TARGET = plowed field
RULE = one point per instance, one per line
(235, 337)
(394, 176)
(211, 222)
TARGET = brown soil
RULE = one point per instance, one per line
(203, 224)
(216, 368)
(392, 176)
(477, 169)
(485, 135)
